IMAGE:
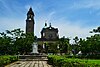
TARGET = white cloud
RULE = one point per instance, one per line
(9, 24)
(70, 29)
(94, 4)
(50, 16)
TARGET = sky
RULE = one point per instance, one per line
(71, 17)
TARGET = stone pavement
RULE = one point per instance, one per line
(29, 63)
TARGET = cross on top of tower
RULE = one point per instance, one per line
(50, 25)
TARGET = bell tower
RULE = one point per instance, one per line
(30, 21)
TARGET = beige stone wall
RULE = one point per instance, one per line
(50, 35)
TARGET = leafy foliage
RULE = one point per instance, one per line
(96, 30)
(64, 45)
(91, 45)
(7, 59)
(88, 46)
(16, 42)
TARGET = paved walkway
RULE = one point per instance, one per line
(30, 63)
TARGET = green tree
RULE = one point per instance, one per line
(91, 44)
(64, 45)
(5, 43)
(16, 41)
(76, 46)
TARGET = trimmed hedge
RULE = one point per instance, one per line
(85, 56)
(7, 59)
(59, 61)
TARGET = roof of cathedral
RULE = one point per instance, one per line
(30, 11)
(50, 28)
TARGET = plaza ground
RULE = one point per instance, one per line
(29, 63)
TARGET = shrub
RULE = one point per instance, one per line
(7, 59)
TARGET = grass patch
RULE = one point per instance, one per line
(62, 61)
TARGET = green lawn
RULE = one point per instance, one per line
(61, 61)
(93, 61)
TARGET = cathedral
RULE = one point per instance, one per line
(49, 35)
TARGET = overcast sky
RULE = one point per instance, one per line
(71, 17)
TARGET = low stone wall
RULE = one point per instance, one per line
(32, 57)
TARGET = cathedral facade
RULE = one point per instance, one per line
(49, 35)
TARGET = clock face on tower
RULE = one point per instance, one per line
(30, 16)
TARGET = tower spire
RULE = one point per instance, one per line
(30, 11)
(30, 21)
